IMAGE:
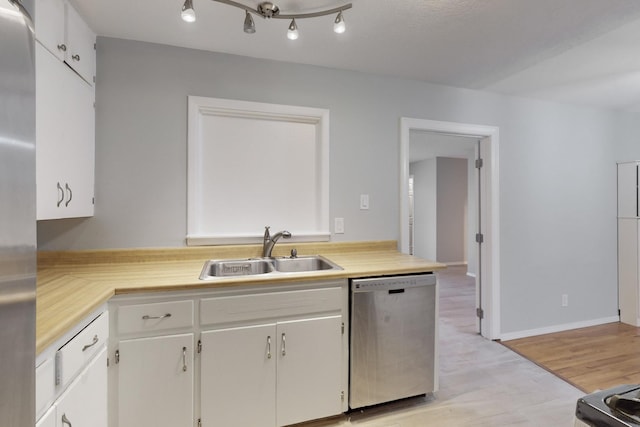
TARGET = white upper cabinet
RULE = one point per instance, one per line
(61, 30)
(628, 197)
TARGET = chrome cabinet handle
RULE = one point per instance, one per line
(284, 344)
(75, 57)
(65, 420)
(66, 185)
(184, 359)
(94, 342)
(269, 347)
(147, 317)
(61, 191)
(62, 47)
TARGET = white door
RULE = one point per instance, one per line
(309, 385)
(238, 375)
(155, 382)
(84, 403)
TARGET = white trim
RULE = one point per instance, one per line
(199, 107)
(491, 293)
(558, 328)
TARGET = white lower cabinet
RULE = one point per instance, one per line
(48, 419)
(155, 381)
(84, 403)
(287, 372)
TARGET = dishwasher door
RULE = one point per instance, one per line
(393, 339)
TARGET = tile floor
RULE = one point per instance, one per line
(482, 383)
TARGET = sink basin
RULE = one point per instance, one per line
(236, 267)
(304, 263)
(254, 266)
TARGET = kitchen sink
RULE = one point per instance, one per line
(304, 263)
(236, 267)
(255, 266)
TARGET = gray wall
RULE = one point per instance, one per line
(452, 209)
(557, 166)
(425, 217)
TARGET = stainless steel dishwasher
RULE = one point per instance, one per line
(393, 338)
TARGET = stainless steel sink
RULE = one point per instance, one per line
(235, 267)
(255, 266)
(304, 263)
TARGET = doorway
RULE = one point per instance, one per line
(485, 258)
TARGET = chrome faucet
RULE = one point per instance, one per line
(269, 242)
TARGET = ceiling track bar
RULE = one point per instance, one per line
(289, 16)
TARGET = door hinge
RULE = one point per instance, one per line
(619, 313)
(199, 346)
(342, 328)
(107, 362)
(479, 238)
(480, 313)
(342, 396)
(479, 163)
(117, 358)
(199, 422)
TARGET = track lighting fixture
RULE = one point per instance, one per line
(249, 25)
(188, 14)
(268, 10)
(292, 33)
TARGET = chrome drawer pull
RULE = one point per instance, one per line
(94, 342)
(184, 359)
(269, 347)
(284, 344)
(66, 185)
(147, 317)
(65, 420)
(61, 192)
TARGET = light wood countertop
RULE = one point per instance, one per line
(73, 284)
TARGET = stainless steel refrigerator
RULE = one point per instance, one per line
(17, 215)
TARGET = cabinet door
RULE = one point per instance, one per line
(238, 377)
(155, 381)
(309, 368)
(50, 26)
(65, 138)
(48, 419)
(84, 403)
(80, 41)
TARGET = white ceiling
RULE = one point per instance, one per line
(571, 51)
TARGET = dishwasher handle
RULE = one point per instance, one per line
(396, 291)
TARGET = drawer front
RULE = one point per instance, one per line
(269, 305)
(45, 385)
(75, 354)
(155, 317)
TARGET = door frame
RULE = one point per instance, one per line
(490, 211)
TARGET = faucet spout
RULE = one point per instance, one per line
(269, 241)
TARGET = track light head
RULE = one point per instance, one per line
(292, 33)
(249, 25)
(188, 14)
(339, 26)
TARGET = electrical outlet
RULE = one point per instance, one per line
(565, 300)
(338, 226)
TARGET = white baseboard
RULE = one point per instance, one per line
(557, 328)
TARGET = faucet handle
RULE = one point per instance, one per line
(266, 232)
(294, 253)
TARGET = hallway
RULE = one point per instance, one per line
(482, 383)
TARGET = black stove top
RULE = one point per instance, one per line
(615, 407)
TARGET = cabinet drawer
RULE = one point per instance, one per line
(268, 305)
(45, 385)
(75, 354)
(155, 317)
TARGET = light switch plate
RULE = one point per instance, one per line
(364, 201)
(338, 226)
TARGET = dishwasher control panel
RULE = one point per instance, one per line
(392, 282)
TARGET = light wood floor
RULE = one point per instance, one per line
(594, 358)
